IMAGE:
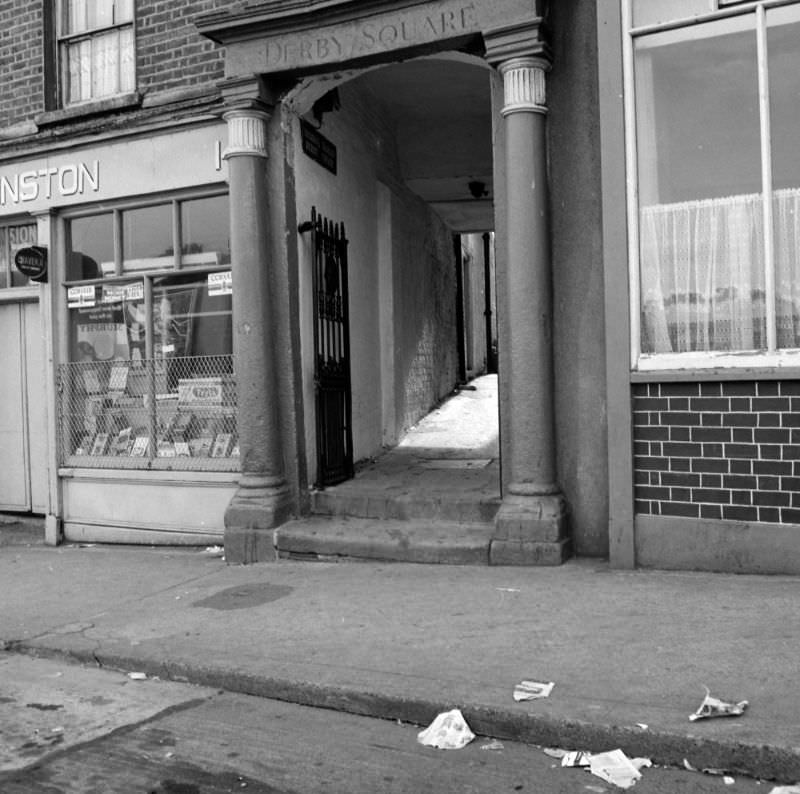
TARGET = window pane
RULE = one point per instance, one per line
(105, 64)
(79, 70)
(191, 317)
(90, 253)
(784, 55)
(702, 272)
(147, 238)
(205, 228)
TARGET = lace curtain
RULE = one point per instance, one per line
(702, 274)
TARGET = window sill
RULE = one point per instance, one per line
(91, 108)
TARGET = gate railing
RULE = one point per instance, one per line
(331, 350)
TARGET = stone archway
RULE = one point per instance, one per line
(268, 51)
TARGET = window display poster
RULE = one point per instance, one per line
(99, 333)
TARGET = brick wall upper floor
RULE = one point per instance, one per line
(170, 53)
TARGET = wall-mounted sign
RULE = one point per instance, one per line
(32, 262)
(318, 147)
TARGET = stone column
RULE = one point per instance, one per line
(262, 500)
(531, 525)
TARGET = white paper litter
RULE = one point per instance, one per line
(614, 767)
(138, 676)
(449, 731)
(492, 745)
(713, 707)
(728, 781)
(786, 789)
(576, 758)
(532, 690)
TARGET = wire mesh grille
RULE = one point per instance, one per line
(174, 413)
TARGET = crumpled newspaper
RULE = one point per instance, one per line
(615, 767)
(532, 690)
(713, 707)
(449, 731)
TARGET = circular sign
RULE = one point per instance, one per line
(32, 262)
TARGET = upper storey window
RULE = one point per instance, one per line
(96, 49)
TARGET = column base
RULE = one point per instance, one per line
(258, 506)
(531, 529)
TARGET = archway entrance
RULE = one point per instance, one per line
(408, 156)
(417, 136)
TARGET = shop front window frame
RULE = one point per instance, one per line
(149, 400)
(767, 353)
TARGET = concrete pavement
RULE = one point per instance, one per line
(629, 652)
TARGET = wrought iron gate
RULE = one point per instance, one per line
(331, 351)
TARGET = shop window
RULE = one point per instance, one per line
(96, 49)
(718, 201)
(12, 238)
(150, 378)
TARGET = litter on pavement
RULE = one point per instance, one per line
(576, 758)
(713, 707)
(786, 789)
(532, 690)
(615, 767)
(449, 731)
(492, 745)
(137, 676)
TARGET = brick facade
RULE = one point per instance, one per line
(170, 53)
(21, 61)
(728, 450)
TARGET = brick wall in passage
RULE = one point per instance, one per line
(728, 450)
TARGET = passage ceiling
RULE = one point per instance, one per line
(441, 110)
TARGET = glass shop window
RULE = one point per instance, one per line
(150, 382)
(718, 201)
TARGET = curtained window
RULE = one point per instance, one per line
(97, 49)
(719, 184)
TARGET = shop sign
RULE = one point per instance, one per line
(32, 262)
(81, 296)
(71, 179)
(220, 283)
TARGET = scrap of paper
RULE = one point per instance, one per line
(713, 707)
(532, 690)
(614, 767)
(449, 731)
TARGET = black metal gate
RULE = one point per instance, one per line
(331, 351)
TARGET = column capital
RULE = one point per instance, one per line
(247, 133)
(524, 85)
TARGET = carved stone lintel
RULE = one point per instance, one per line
(524, 85)
(247, 133)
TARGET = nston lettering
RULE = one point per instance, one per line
(374, 36)
(46, 183)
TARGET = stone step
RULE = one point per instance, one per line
(420, 541)
(448, 507)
